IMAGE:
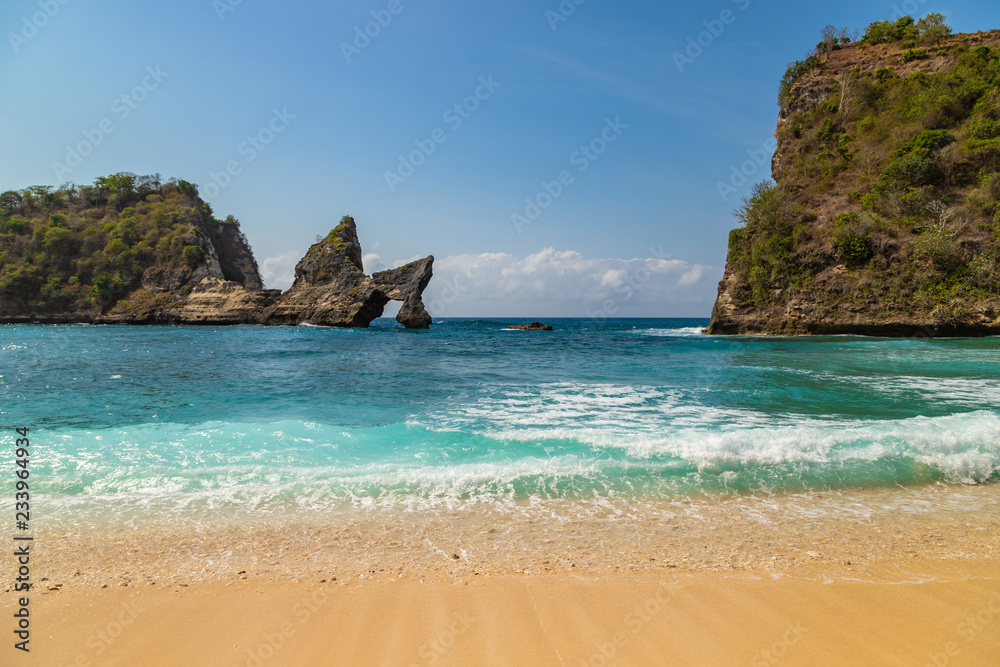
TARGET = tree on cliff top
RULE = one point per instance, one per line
(932, 28)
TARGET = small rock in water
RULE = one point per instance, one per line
(534, 326)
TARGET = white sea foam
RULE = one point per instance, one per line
(555, 440)
(682, 332)
(614, 409)
(968, 391)
(646, 423)
(264, 482)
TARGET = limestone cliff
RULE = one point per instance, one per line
(884, 214)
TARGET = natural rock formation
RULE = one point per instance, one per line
(884, 218)
(534, 326)
(331, 288)
(407, 284)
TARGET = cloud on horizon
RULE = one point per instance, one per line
(553, 283)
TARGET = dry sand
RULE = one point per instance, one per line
(884, 577)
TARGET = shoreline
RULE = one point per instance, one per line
(888, 576)
(849, 528)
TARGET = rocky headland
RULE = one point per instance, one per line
(883, 217)
(134, 250)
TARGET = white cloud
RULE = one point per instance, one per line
(567, 284)
(693, 277)
(613, 277)
(279, 272)
(401, 262)
(373, 262)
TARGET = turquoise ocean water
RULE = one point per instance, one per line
(128, 420)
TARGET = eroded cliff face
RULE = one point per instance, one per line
(212, 301)
(222, 302)
(884, 217)
(224, 287)
(332, 289)
(236, 260)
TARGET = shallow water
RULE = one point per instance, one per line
(129, 420)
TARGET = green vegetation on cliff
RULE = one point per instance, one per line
(931, 29)
(82, 249)
(886, 199)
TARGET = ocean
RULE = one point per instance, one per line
(184, 421)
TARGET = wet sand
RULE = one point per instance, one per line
(887, 576)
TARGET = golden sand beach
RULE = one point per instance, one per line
(875, 577)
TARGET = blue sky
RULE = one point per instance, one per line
(309, 118)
